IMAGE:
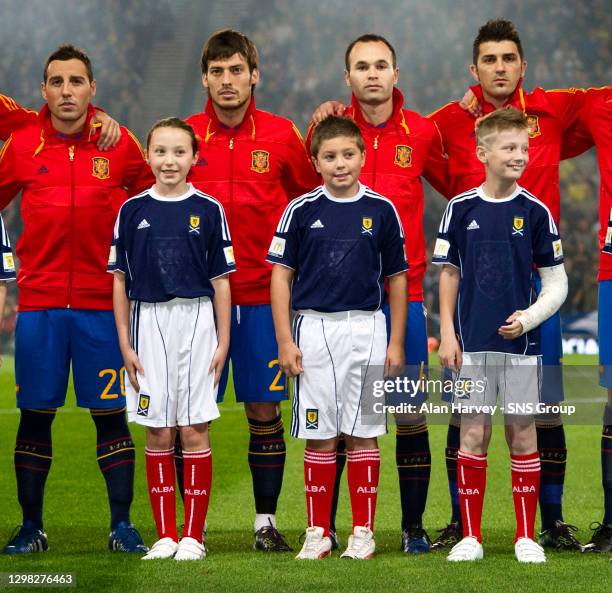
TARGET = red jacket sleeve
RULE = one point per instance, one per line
(567, 104)
(299, 175)
(139, 176)
(9, 186)
(579, 138)
(436, 166)
(13, 117)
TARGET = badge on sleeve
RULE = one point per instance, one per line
(277, 247)
(441, 248)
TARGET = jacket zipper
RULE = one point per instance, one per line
(375, 162)
(71, 226)
(231, 180)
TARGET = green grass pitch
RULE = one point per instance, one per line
(76, 520)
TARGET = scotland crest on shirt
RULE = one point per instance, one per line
(194, 224)
(403, 156)
(260, 161)
(101, 167)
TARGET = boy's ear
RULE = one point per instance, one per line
(481, 154)
(315, 162)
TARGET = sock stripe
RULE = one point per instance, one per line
(115, 452)
(33, 454)
(158, 452)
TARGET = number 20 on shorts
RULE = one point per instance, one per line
(112, 379)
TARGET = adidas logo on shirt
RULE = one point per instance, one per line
(473, 226)
(143, 224)
(317, 224)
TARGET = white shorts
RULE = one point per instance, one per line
(517, 378)
(328, 396)
(175, 342)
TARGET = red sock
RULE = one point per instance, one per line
(319, 478)
(472, 481)
(197, 478)
(525, 491)
(363, 470)
(161, 482)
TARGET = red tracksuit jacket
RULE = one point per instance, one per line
(253, 170)
(397, 154)
(595, 125)
(71, 196)
(550, 113)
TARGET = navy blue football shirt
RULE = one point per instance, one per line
(340, 248)
(495, 244)
(171, 247)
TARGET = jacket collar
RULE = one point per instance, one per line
(397, 118)
(516, 100)
(246, 127)
(49, 135)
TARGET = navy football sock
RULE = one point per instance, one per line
(553, 456)
(452, 447)
(606, 465)
(116, 458)
(413, 459)
(33, 455)
(340, 463)
(267, 462)
(178, 464)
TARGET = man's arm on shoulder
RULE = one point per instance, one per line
(138, 176)
(299, 175)
(9, 185)
(13, 116)
(436, 165)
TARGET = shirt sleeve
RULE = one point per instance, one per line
(117, 257)
(546, 242)
(7, 270)
(9, 185)
(220, 252)
(13, 116)
(567, 104)
(298, 175)
(284, 246)
(139, 176)
(436, 165)
(446, 250)
(393, 250)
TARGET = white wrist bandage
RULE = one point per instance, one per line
(550, 299)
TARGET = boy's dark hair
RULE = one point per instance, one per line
(496, 30)
(174, 122)
(69, 52)
(368, 38)
(224, 44)
(333, 127)
(500, 121)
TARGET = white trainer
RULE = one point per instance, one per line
(526, 550)
(163, 548)
(316, 545)
(361, 544)
(190, 549)
(467, 550)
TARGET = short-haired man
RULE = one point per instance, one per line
(401, 146)
(253, 162)
(71, 193)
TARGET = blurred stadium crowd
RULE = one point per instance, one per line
(301, 47)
